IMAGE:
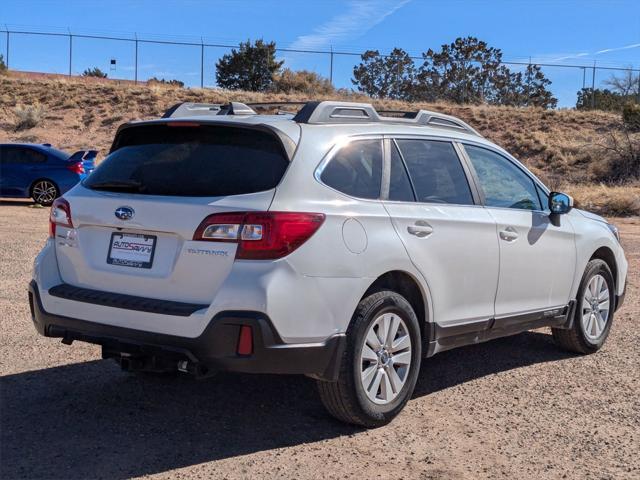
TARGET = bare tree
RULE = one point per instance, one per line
(625, 84)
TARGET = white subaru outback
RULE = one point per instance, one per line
(341, 243)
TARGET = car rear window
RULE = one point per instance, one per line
(193, 161)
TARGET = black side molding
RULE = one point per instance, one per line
(127, 302)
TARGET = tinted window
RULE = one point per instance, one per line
(198, 161)
(356, 169)
(399, 185)
(503, 183)
(436, 172)
(21, 156)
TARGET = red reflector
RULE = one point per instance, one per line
(245, 340)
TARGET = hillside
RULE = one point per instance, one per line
(576, 151)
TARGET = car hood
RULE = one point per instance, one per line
(591, 216)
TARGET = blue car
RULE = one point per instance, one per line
(40, 171)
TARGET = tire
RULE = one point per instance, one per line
(589, 331)
(44, 192)
(348, 399)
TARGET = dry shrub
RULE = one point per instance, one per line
(617, 157)
(28, 116)
(301, 81)
(631, 116)
(607, 200)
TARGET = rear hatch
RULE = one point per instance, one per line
(135, 217)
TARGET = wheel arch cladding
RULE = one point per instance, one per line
(406, 285)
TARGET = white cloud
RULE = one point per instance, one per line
(360, 17)
(626, 47)
(560, 57)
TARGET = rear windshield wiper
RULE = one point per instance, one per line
(129, 185)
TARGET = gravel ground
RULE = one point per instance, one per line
(511, 408)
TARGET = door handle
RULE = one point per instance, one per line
(420, 229)
(509, 234)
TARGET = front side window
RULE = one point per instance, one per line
(503, 183)
(356, 169)
(436, 172)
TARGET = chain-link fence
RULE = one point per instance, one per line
(191, 61)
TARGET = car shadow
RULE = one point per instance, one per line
(90, 420)
(27, 202)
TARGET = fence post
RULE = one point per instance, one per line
(201, 62)
(7, 47)
(593, 87)
(136, 66)
(70, 51)
(331, 66)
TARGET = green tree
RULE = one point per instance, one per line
(460, 72)
(3, 66)
(601, 99)
(250, 67)
(385, 76)
(94, 72)
(535, 85)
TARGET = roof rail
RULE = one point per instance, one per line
(350, 112)
(326, 112)
(190, 109)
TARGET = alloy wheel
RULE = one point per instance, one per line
(385, 358)
(44, 192)
(595, 307)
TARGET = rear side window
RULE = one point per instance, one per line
(400, 189)
(356, 169)
(436, 172)
(21, 156)
(198, 161)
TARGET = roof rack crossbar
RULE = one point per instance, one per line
(190, 109)
(351, 112)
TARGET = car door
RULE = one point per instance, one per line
(537, 257)
(449, 238)
(13, 178)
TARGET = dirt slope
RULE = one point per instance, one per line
(568, 149)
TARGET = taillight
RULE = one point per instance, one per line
(60, 215)
(260, 235)
(77, 167)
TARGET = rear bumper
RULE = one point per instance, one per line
(213, 351)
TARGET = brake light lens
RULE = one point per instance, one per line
(260, 235)
(60, 215)
(77, 167)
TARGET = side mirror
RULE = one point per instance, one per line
(560, 203)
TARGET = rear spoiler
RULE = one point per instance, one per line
(82, 155)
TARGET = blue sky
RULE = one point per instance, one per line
(561, 31)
